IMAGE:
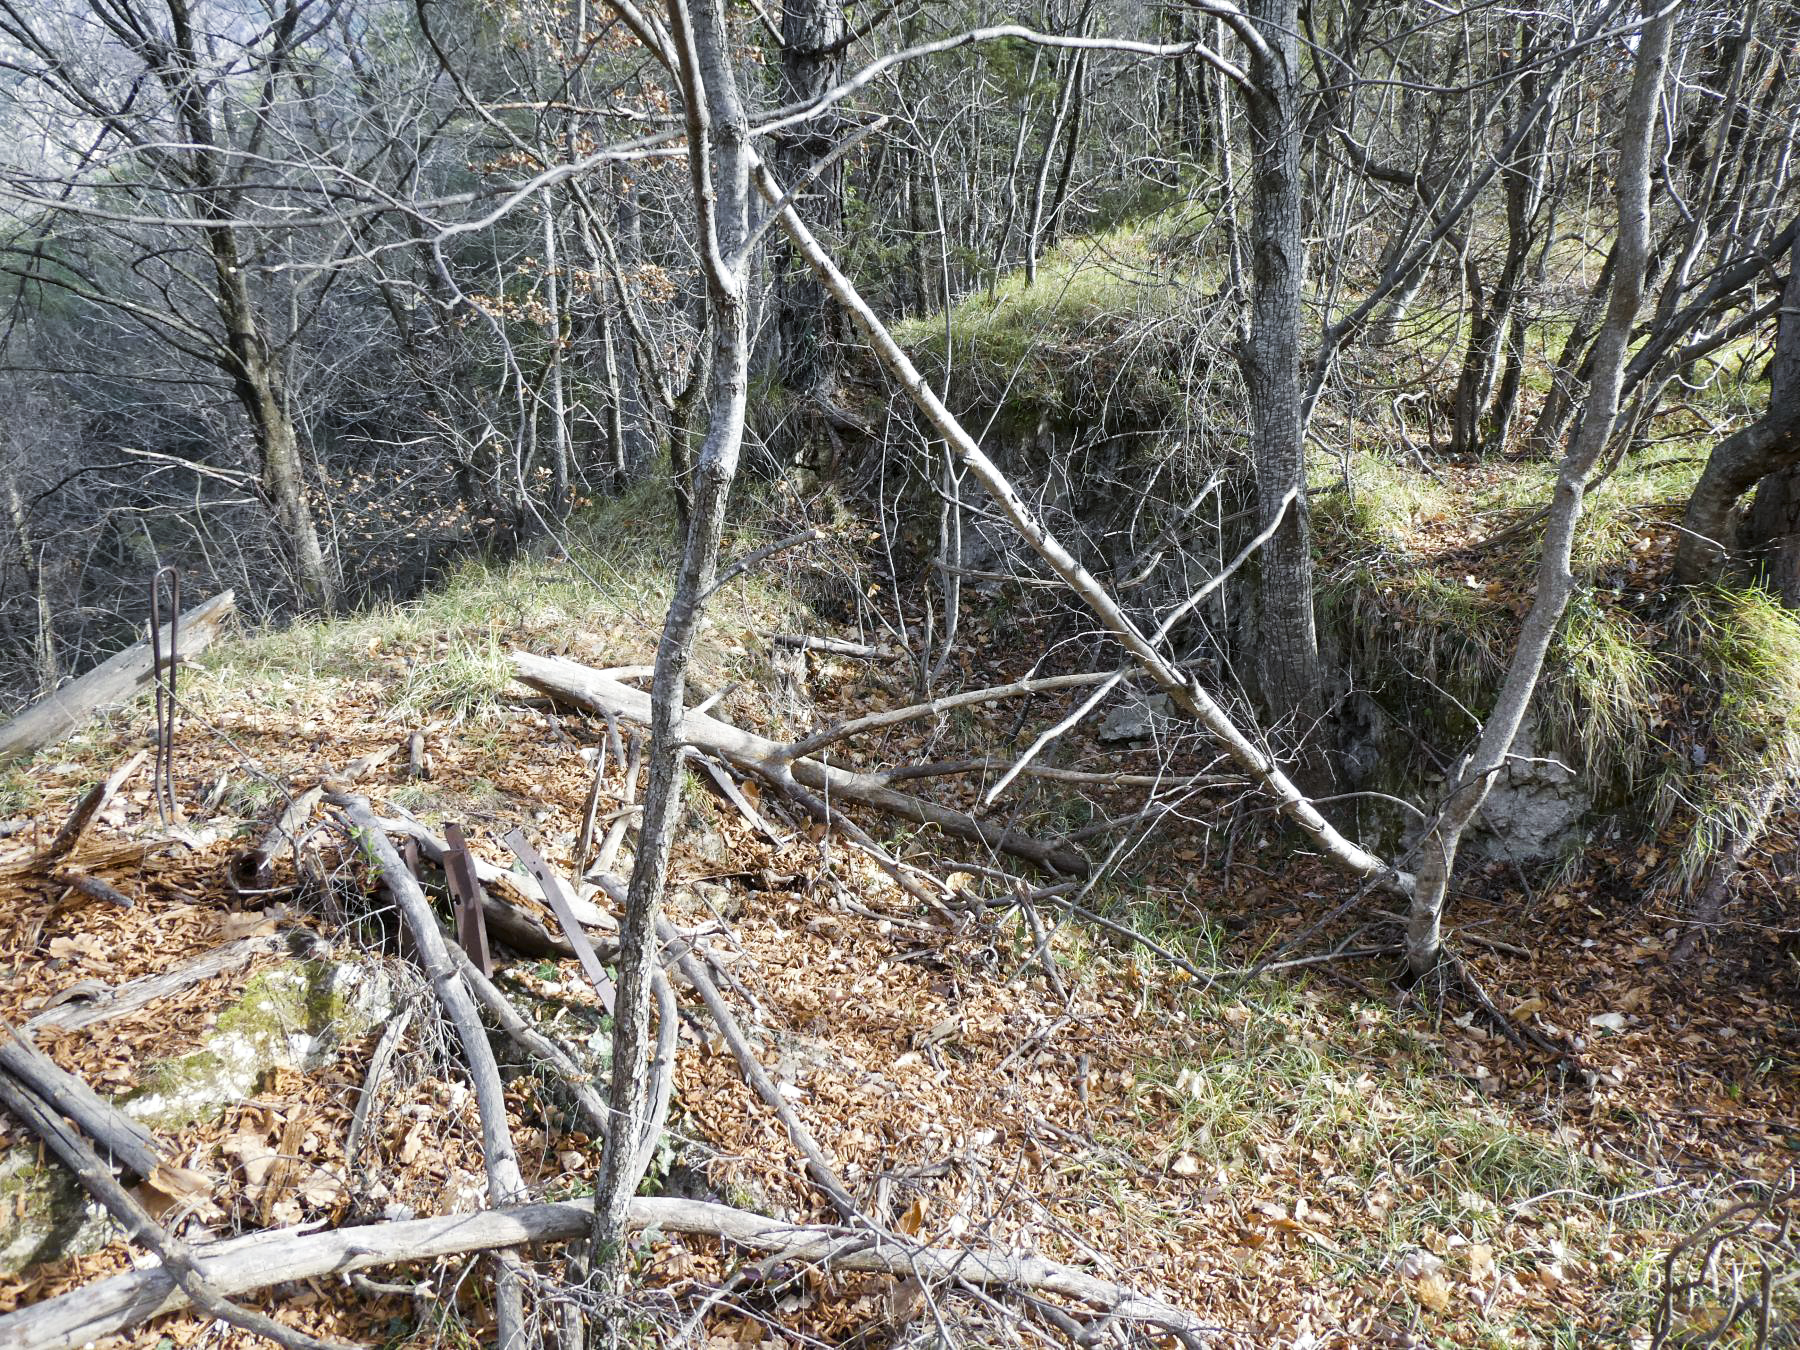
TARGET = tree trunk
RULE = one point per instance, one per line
(1468, 787)
(718, 137)
(812, 35)
(1763, 455)
(1287, 649)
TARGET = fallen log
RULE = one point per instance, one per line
(128, 1143)
(112, 682)
(139, 993)
(177, 1258)
(772, 761)
(239, 1265)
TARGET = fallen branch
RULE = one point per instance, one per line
(773, 762)
(179, 1267)
(254, 868)
(91, 886)
(1187, 694)
(832, 646)
(92, 803)
(110, 683)
(241, 1264)
(895, 716)
(379, 1062)
(142, 992)
(130, 1144)
(823, 1174)
(506, 1184)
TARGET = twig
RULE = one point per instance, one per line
(379, 1062)
(823, 1174)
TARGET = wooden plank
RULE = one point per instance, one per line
(110, 683)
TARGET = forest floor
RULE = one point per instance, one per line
(1305, 1156)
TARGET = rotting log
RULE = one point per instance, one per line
(140, 993)
(110, 683)
(239, 1265)
(589, 688)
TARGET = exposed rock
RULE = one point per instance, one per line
(1137, 718)
(1536, 807)
(294, 1016)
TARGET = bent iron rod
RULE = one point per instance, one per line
(167, 809)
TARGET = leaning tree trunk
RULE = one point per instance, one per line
(256, 380)
(1468, 787)
(1764, 455)
(1287, 649)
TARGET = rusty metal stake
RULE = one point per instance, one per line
(168, 810)
(465, 892)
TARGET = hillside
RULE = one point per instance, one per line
(1273, 1138)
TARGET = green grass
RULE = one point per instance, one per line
(1745, 654)
(444, 656)
(1099, 335)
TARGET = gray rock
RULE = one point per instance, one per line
(1137, 718)
(1536, 807)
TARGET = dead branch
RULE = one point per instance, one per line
(178, 1264)
(241, 1264)
(506, 1184)
(772, 762)
(895, 716)
(615, 833)
(832, 646)
(111, 683)
(129, 1143)
(254, 868)
(817, 1164)
(1187, 694)
(92, 803)
(534, 1042)
(91, 886)
(379, 1063)
(142, 992)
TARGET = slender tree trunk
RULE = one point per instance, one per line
(1469, 786)
(1574, 366)
(553, 334)
(257, 382)
(1287, 649)
(718, 135)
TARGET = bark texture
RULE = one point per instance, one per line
(1286, 642)
(1763, 455)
